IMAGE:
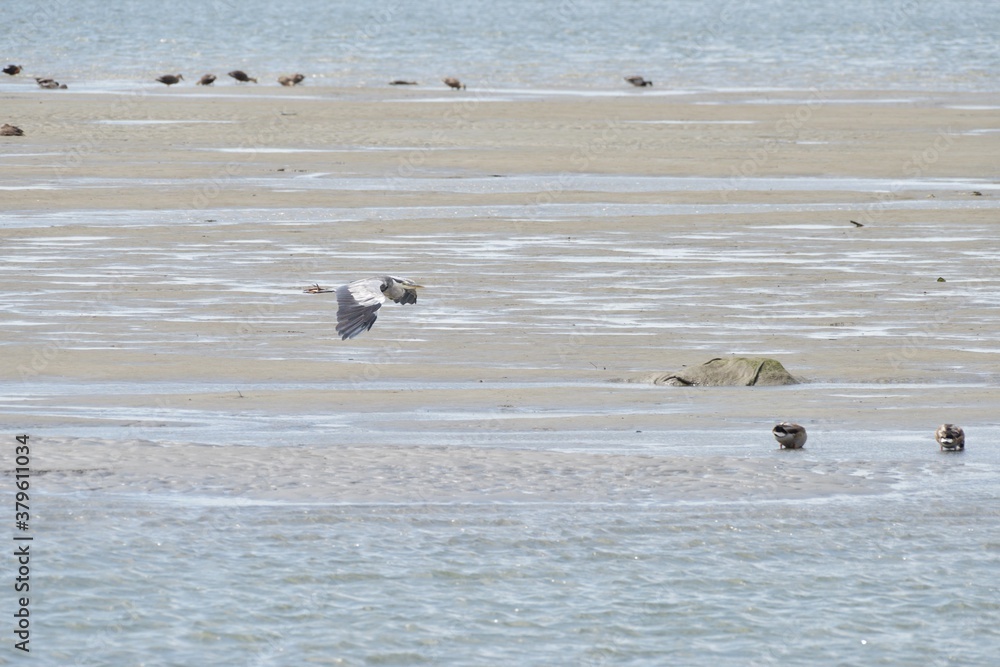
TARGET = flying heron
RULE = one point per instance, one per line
(357, 302)
(789, 436)
(950, 437)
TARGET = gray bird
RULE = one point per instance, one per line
(359, 301)
(453, 83)
(950, 437)
(789, 436)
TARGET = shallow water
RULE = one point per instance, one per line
(575, 44)
(898, 578)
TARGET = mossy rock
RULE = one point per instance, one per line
(731, 372)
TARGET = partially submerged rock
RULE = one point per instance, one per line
(732, 372)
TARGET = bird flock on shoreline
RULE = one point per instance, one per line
(287, 80)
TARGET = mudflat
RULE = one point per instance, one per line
(157, 246)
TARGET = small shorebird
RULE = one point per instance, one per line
(291, 79)
(240, 75)
(12, 69)
(170, 79)
(950, 437)
(206, 80)
(638, 81)
(454, 83)
(789, 436)
(51, 84)
(359, 301)
(402, 82)
(8, 130)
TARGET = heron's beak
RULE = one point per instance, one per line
(414, 287)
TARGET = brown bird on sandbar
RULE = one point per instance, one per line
(454, 83)
(402, 82)
(49, 83)
(12, 69)
(638, 81)
(241, 76)
(206, 80)
(291, 79)
(789, 436)
(950, 437)
(8, 130)
(170, 79)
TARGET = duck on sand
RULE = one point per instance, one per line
(170, 79)
(291, 79)
(241, 76)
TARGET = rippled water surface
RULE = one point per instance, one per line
(585, 44)
(858, 581)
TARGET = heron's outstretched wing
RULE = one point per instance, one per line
(357, 304)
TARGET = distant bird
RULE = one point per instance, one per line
(402, 82)
(49, 83)
(12, 69)
(8, 130)
(789, 436)
(206, 80)
(454, 83)
(291, 79)
(170, 79)
(950, 437)
(240, 75)
(638, 81)
(357, 302)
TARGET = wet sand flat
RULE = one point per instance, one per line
(157, 247)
